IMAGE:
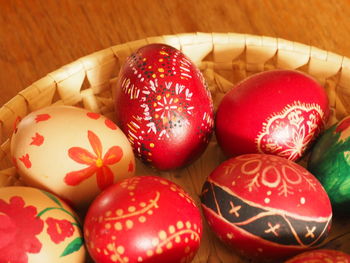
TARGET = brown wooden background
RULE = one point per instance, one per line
(39, 36)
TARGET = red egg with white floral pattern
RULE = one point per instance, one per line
(266, 206)
(71, 152)
(38, 227)
(321, 256)
(143, 219)
(276, 112)
(164, 106)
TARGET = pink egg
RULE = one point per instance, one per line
(143, 219)
(276, 112)
(266, 206)
(164, 106)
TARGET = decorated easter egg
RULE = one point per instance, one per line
(330, 163)
(71, 152)
(38, 227)
(164, 107)
(265, 206)
(274, 112)
(143, 219)
(321, 256)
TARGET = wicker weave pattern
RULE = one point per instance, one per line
(223, 58)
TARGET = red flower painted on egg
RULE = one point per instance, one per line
(59, 230)
(19, 227)
(97, 164)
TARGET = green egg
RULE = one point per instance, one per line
(330, 163)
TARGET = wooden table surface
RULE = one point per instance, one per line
(39, 36)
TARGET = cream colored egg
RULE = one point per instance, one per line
(38, 227)
(71, 152)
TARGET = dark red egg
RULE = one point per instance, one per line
(143, 219)
(321, 256)
(164, 106)
(265, 206)
(275, 112)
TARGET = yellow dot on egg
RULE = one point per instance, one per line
(179, 109)
(179, 224)
(114, 258)
(161, 75)
(139, 259)
(129, 224)
(154, 76)
(161, 70)
(169, 245)
(120, 249)
(98, 250)
(142, 219)
(110, 247)
(176, 100)
(167, 95)
(149, 154)
(118, 226)
(155, 104)
(144, 59)
(131, 209)
(108, 213)
(156, 116)
(108, 226)
(177, 239)
(149, 67)
(151, 145)
(159, 97)
(119, 212)
(171, 229)
(188, 224)
(160, 60)
(149, 253)
(142, 204)
(150, 212)
(159, 250)
(162, 235)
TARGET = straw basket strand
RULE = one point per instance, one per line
(224, 60)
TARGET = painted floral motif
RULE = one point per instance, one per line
(289, 132)
(285, 179)
(19, 227)
(97, 163)
(26, 161)
(59, 230)
(42, 117)
(37, 139)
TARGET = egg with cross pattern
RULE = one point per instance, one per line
(266, 206)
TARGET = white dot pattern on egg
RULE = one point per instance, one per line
(71, 152)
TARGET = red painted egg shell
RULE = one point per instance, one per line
(321, 256)
(275, 112)
(71, 152)
(164, 106)
(143, 219)
(38, 227)
(266, 206)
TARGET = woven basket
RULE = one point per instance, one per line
(224, 60)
